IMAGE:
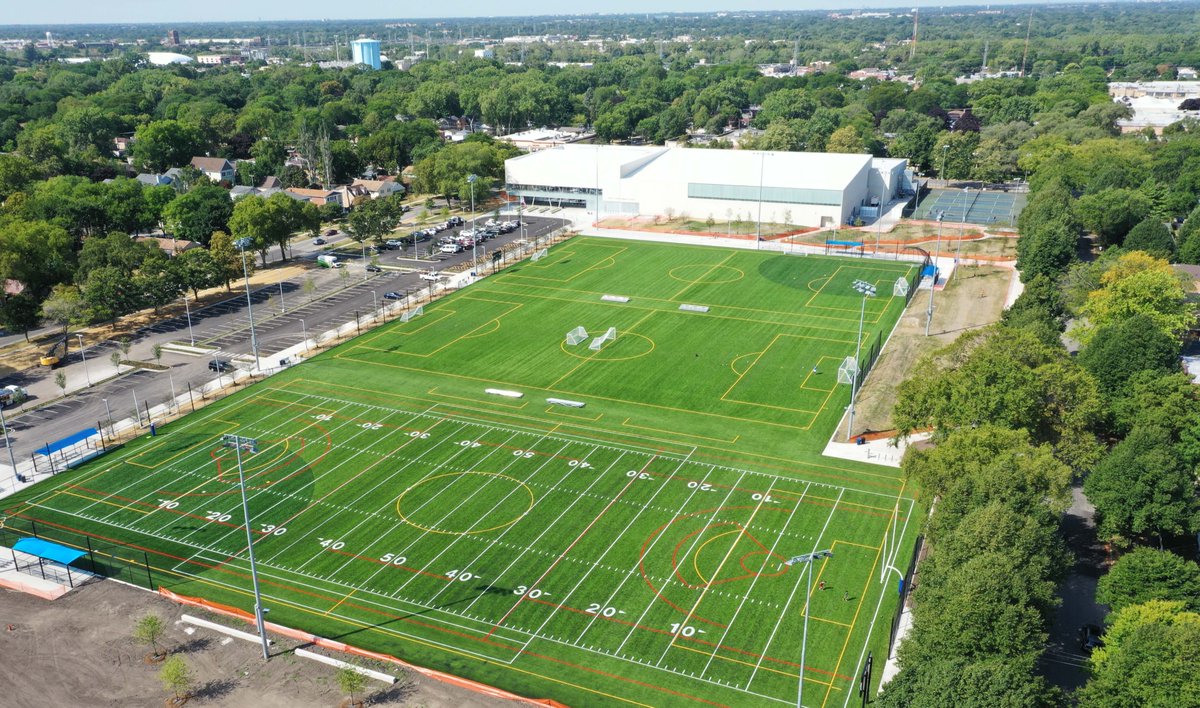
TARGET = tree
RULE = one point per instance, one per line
(1143, 489)
(65, 306)
(197, 214)
(196, 270)
(351, 682)
(1148, 659)
(176, 677)
(20, 312)
(16, 173)
(845, 139)
(1151, 236)
(115, 360)
(983, 683)
(1118, 351)
(36, 254)
(1112, 213)
(227, 260)
(148, 629)
(108, 294)
(1047, 249)
(1146, 574)
(163, 144)
(392, 147)
(116, 250)
(60, 380)
(1138, 283)
(375, 218)
(157, 351)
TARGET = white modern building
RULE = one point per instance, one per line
(802, 188)
(365, 51)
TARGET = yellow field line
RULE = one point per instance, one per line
(697, 281)
(858, 608)
(557, 410)
(125, 507)
(627, 424)
(434, 392)
(630, 328)
(339, 602)
(184, 451)
(760, 668)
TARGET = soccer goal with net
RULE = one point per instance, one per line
(900, 289)
(608, 336)
(576, 336)
(410, 314)
(848, 371)
(539, 255)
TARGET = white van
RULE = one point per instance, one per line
(328, 262)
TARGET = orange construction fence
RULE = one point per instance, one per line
(296, 634)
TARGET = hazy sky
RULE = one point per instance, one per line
(105, 11)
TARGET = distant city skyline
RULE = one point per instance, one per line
(65, 12)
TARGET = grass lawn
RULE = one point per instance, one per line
(629, 552)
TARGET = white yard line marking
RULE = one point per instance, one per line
(753, 582)
(816, 547)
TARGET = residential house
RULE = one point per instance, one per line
(150, 179)
(172, 246)
(315, 196)
(377, 188)
(217, 169)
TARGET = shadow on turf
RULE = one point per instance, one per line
(480, 590)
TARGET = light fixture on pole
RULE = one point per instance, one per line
(866, 290)
(238, 443)
(929, 313)
(243, 245)
(471, 179)
(187, 309)
(83, 355)
(807, 559)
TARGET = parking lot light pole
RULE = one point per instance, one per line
(867, 290)
(243, 244)
(237, 442)
(12, 460)
(187, 308)
(82, 354)
(471, 179)
(807, 559)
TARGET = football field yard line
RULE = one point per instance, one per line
(495, 506)
(260, 513)
(234, 501)
(598, 561)
(737, 537)
(878, 604)
(691, 549)
(770, 553)
(572, 544)
(808, 568)
(596, 477)
(382, 482)
(126, 457)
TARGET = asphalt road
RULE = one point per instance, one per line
(282, 311)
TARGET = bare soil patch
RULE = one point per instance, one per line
(973, 298)
(78, 651)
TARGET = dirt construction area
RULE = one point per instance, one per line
(973, 298)
(79, 651)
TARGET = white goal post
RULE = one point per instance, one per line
(847, 371)
(410, 314)
(900, 289)
(576, 336)
(539, 255)
(608, 336)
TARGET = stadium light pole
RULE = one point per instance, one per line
(867, 290)
(236, 442)
(762, 164)
(807, 559)
(243, 244)
(82, 354)
(471, 179)
(929, 313)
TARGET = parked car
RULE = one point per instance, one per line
(1090, 638)
(394, 243)
(392, 295)
(372, 268)
(331, 232)
(451, 248)
(219, 365)
(318, 241)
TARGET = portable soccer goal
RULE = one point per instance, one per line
(900, 289)
(608, 336)
(410, 314)
(539, 255)
(576, 336)
(848, 371)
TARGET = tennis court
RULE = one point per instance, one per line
(974, 206)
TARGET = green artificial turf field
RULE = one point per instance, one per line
(627, 552)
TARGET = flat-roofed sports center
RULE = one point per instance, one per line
(802, 188)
